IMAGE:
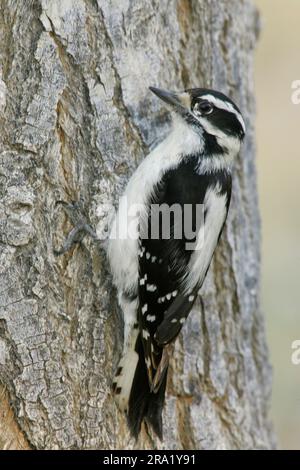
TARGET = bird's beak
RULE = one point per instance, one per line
(178, 101)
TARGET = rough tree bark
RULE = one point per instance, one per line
(76, 117)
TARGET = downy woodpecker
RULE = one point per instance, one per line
(158, 277)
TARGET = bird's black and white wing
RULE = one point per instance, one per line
(172, 269)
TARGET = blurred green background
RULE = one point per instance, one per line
(278, 165)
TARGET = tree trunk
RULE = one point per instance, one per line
(76, 118)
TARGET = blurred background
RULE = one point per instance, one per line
(278, 166)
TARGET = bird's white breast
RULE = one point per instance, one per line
(122, 251)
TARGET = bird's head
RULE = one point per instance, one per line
(209, 112)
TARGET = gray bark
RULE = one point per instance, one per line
(76, 117)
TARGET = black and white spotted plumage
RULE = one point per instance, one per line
(158, 278)
(164, 300)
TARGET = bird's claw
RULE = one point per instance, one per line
(81, 226)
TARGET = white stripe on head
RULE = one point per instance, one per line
(229, 142)
(226, 106)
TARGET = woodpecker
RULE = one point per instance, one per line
(158, 278)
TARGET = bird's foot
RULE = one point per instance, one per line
(81, 227)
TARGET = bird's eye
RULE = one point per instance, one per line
(203, 107)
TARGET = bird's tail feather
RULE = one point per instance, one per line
(132, 390)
